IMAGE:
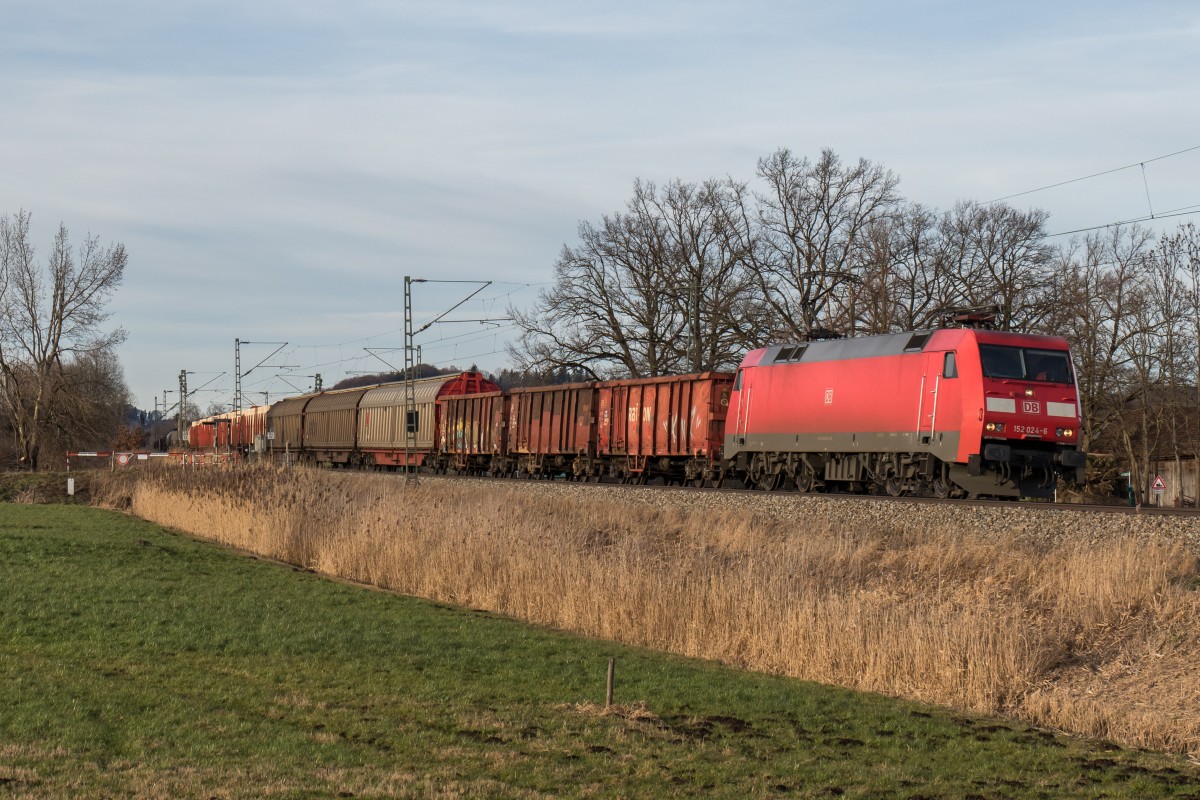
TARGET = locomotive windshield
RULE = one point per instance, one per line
(1025, 363)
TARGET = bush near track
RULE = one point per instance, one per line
(43, 487)
(1076, 628)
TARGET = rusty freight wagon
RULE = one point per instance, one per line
(202, 434)
(552, 431)
(249, 427)
(670, 427)
(473, 432)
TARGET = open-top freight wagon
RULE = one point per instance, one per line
(633, 430)
(234, 431)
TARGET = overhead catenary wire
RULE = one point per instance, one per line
(1141, 164)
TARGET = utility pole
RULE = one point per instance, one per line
(183, 393)
(237, 369)
(410, 388)
(410, 377)
(237, 375)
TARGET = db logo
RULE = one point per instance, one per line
(829, 397)
(1031, 407)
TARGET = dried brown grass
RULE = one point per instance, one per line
(1093, 637)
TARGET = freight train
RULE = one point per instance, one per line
(948, 412)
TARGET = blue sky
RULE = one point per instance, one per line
(276, 168)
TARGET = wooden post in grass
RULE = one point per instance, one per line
(608, 692)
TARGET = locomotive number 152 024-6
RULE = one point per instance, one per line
(1030, 430)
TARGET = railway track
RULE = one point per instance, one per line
(910, 500)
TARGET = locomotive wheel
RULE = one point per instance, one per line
(941, 487)
(805, 478)
(893, 486)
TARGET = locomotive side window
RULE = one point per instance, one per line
(1025, 363)
(737, 382)
(949, 366)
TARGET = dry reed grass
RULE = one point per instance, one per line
(1093, 637)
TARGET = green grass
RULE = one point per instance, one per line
(137, 662)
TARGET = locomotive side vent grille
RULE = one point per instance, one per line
(917, 342)
(790, 353)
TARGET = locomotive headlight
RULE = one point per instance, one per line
(994, 427)
(1029, 392)
(1065, 433)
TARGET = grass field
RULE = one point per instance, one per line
(1046, 621)
(137, 662)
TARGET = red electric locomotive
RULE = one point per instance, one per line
(953, 412)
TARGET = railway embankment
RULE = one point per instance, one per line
(1035, 522)
(1082, 621)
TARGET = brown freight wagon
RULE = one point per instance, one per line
(473, 433)
(552, 431)
(330, 429)
(285, 430)
(671, 427)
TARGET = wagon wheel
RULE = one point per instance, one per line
(641, 478)
(698, 482)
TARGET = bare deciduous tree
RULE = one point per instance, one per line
(1000, 257)
(658, 289)
(50, 323)
(813, 220)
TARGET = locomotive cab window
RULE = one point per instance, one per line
(949, 366)
(737, 382)
(1025, 363)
